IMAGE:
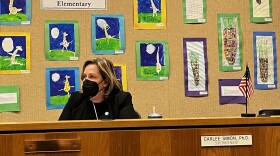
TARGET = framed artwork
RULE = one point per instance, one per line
(120, 70)
(152, 60)
(14, 52)
(62, 40)
(60, 83)
(195, 66)
(149, 14)
(9, 99)
(261, 11)
(194, 11)
(265, 60)
(230, 42)
(15, 12)
(108, 34)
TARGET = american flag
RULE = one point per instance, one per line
(242, 85)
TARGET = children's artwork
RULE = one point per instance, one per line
(152, 60)
(108, 34)
(261, 11)
(194, 11)
(149, 14)
(120, 70)
(230, 39)
(14, 53)
(229, 92)
(265, 60)
(15, 12)
(60, 83)
(195, 66)
(9, 99)
(61, 40)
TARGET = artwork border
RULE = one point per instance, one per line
(28, 14)
(260, 19)
(220, 45)
(11, 107)
(186, 72)
(47, 40)
(166, 60)
(93, 34)
(202, 20)
(161, 25)
(230, 99)
(27, 44)
(48, 90)
(265, 86)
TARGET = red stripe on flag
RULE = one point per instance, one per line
(242, 85)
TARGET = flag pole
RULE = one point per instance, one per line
(246, 95)
(246, 92)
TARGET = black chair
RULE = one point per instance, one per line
(269, 112)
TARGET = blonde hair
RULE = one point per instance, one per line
(106, 69)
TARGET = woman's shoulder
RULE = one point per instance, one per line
(75, 96)
(120, 93)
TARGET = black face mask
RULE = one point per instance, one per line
(90, 88)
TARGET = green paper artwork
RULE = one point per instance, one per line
(9, 99)
(152, 60)
(261, 11)
(230, 42)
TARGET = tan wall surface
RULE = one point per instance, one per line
(168, 96)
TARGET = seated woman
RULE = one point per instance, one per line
(101, 97)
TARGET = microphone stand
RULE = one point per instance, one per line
(246, 104)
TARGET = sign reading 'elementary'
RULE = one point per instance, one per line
(74, 4)
(226, 140)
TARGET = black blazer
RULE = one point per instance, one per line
(80, 108)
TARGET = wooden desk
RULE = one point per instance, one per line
(145, 137)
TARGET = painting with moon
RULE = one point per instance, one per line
(152, 60)
(14, 53)
(149, 14)
(108, 34)
(60, 83)
(61, 40)
(15, 12)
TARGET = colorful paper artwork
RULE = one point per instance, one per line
(60, 83)
(152, 60)
(194, 11)
(149, 14)
(108, 34)
(9, 99)
(230, 39)
(120, 70)
(265, 60)
(15, 12)
(261, 11)
(61, 40)
(195, 66)
(14, 53)
(229, 92)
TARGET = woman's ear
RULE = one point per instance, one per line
(106, 83)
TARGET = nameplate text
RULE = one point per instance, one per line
(226, 140)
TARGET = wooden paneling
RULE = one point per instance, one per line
(168, 96)
(164, 140)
